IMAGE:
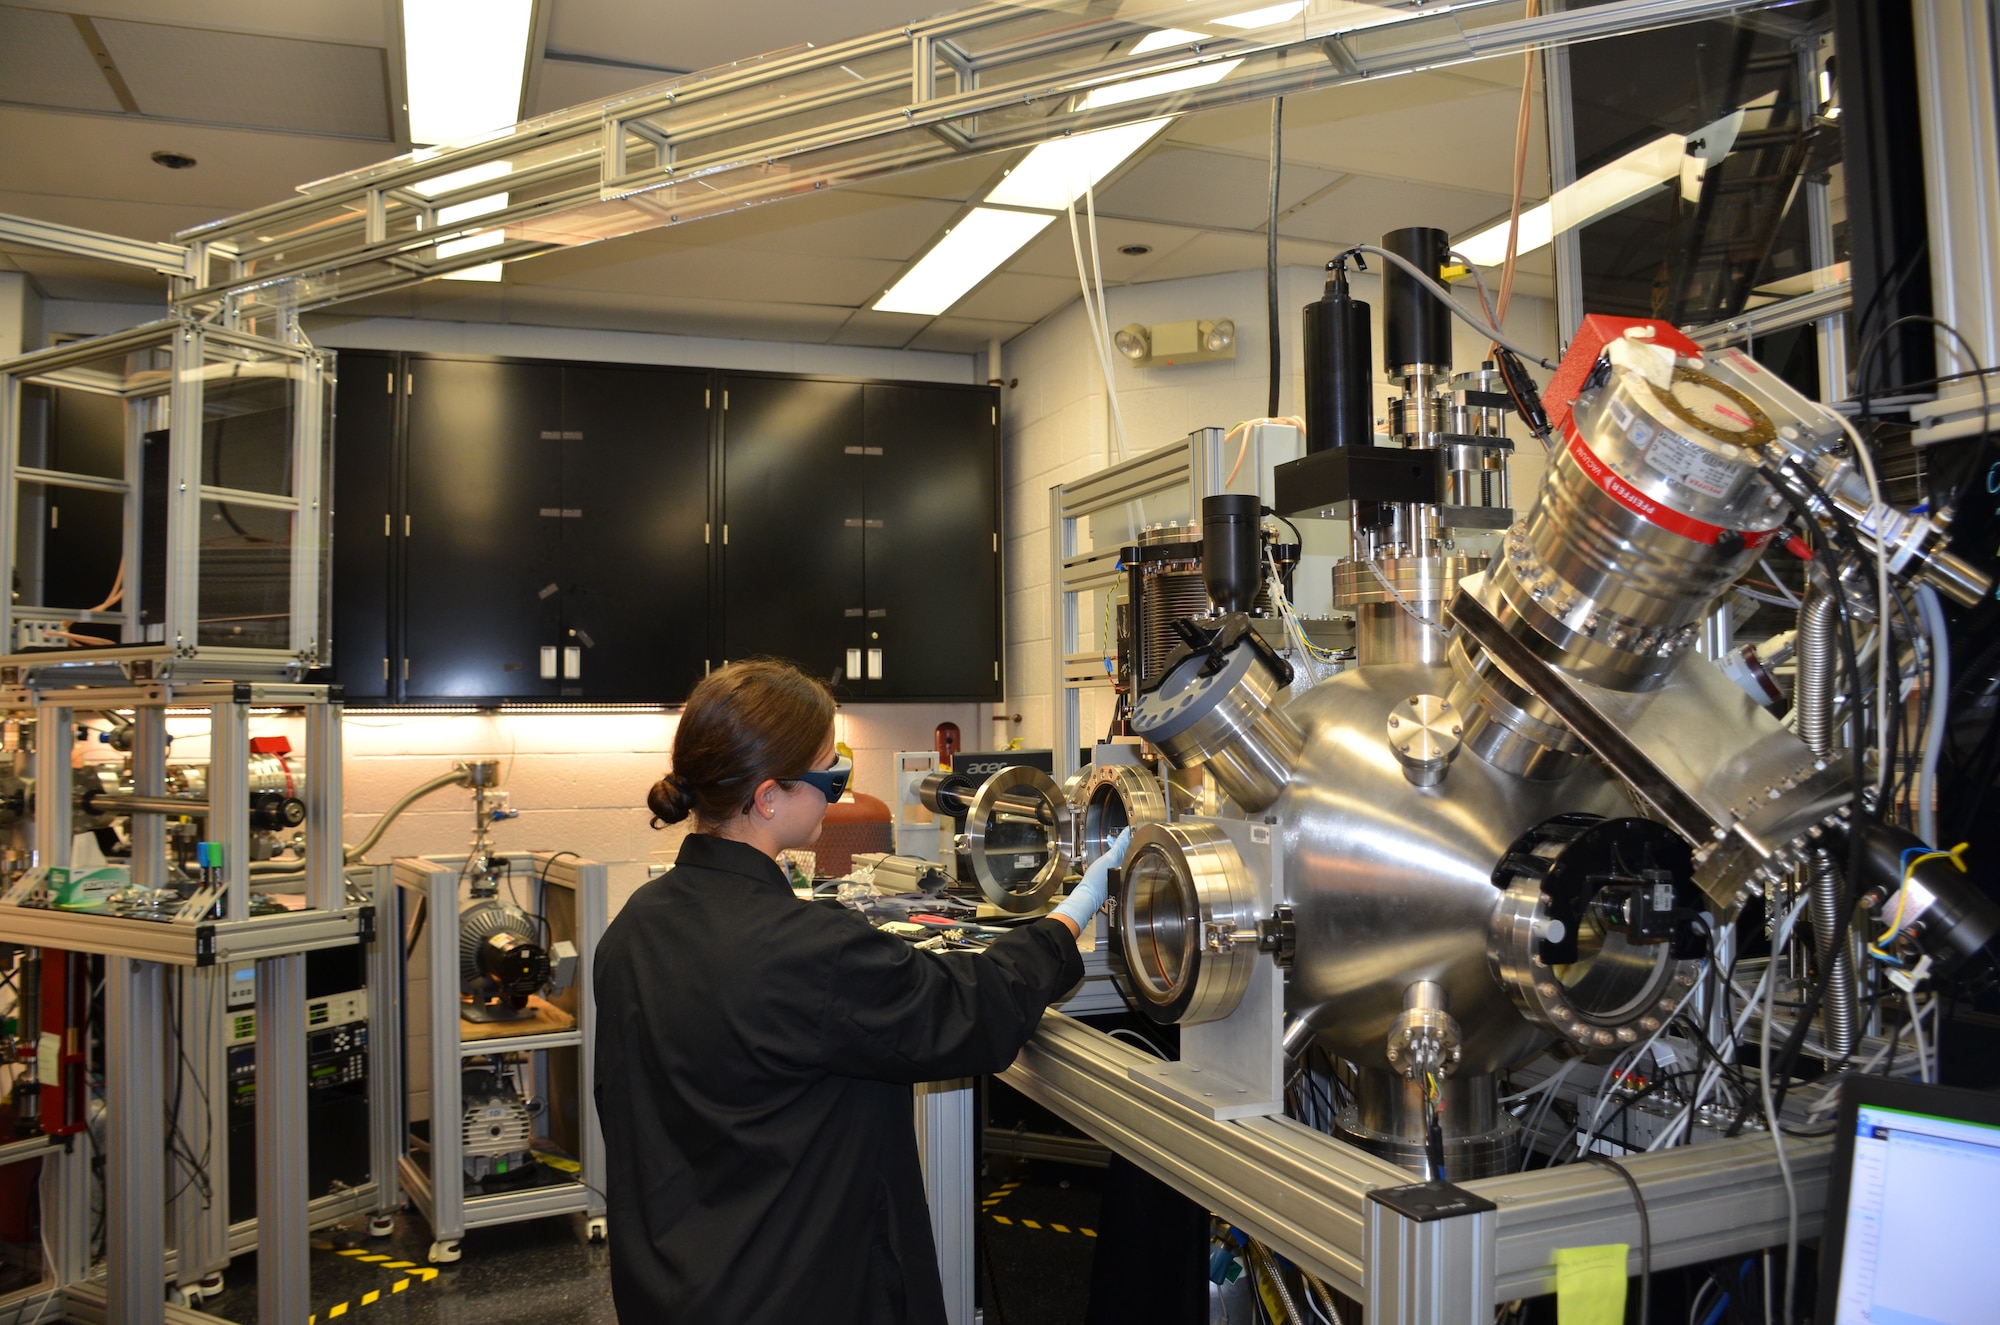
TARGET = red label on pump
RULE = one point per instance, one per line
(1646, 508)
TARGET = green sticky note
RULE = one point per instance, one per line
(1590, 1285)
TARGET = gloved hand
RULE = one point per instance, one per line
(1087, 899)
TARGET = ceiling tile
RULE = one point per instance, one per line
(1209, 189)
(328, 20)
(1435, 127)
(116, 216)
(965, 335)
(698, 36)
(108, 158)
(1011, 297)
(1361, 210)
(745, 320)
(566, 83)
(261, 82)
(960, 181)
(1051, 253)
(57, 276)
(714, 273)
(836, 223)
(881, 330)
(43, 62)
(1212, 253)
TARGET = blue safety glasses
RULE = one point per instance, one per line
(831, 782)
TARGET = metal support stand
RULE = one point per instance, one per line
(1430, 1256)
(136, 1146)
(946, 1113)
(282, 1243)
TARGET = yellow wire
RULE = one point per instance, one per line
(1954, 855)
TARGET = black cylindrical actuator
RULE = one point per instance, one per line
(1229, 563)
(1416, 328)
(1339, 400)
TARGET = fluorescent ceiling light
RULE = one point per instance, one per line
(1159, 85)
(1058, 171)
(1167, 39)
(452, 248)
(973, 248)
(463, 62)
(1610, 188)
(464, 179)
(1264, 18)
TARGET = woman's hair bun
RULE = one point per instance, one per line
(671, 799)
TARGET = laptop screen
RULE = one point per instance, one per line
(1922, 1214)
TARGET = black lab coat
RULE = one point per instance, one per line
(754, 1062)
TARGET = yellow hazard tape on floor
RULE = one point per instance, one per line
(1053, 1228)
(418, 1273)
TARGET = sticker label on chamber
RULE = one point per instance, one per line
(1688, 462)
(1650, 510)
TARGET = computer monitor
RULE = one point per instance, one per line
(1912, 1208)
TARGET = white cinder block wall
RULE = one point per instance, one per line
(1057, 422)
(579, 780)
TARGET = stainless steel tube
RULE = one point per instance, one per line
(1812, 698)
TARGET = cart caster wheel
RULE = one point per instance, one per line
(177, 1296)
(381, 1226)
(594, 1230)
(444, 1253)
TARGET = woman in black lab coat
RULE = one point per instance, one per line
(755, 1054)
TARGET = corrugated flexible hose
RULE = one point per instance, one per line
(1812, 698)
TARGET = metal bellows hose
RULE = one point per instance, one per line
(1812, 698)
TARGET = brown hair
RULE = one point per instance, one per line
(744, 723)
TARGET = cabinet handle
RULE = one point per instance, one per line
(386, 517)
(551, 435)
(392, 391)
(572, 663)
(871, 450)
(874, 664)
(409, 384)
(548, 662)
(851, 450)
(853, 611)
(385, 669)
(877, 613)
(862, 524)
(406, 525)
(853, 663)
(406, 669)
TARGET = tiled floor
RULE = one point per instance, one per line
(1038, 1223)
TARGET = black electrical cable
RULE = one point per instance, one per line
(1645, 1232)
(1271, 251)
(1985, 450)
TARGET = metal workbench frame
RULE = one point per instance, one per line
(1310, 1197)
(437, 1189)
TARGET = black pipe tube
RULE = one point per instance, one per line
(1229, 561)
(1416, 328)
(1339, 397)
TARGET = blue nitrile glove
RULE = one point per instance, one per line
(1087, 899)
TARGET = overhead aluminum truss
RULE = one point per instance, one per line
(988, 79)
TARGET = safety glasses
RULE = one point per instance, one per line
(830, 782)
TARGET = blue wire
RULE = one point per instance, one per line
(1721, 1304)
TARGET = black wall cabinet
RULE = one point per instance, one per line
(534, 531)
